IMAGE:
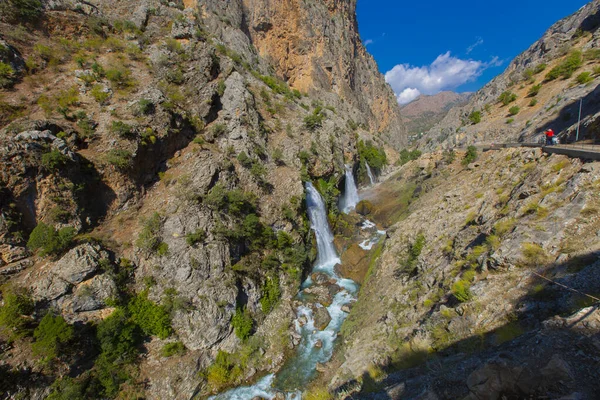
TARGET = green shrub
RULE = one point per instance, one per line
(149, 238)
(270, 294)
(49, 240)
(475, 117)
(374, 156)
(514, 110)
(235, 202)
(152, 318)
(584, 77)
(7, 75)
(21, 10)
(120, 77)
(218, 130)
(470, 155)
(224, 371)
(510, 121)
(449, 156)
(244, 160)
(51, 336)
(54, 160)
(534, 90)
(173, 349)
(461, 290)
(221, 87)
(539, 68)
(99, 94)
(13, 314)
(315, 120)
(67, 388)
(534, 254)
(567, 68)
(242, 323)
(533, 102)
(145, 106)
(507, 97)
(162, 249)
(415, 250)
(406, 156)
(195, 237)
(122, 129)
(120, 158)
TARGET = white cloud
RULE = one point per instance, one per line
(368, 42)
(477, 43)
(408, 95)
(445, 73)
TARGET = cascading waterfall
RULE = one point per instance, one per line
(351, 198)
(316, 346)
(370, 174)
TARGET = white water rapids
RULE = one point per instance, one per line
(316, 346)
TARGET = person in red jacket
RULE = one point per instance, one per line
(549, 137)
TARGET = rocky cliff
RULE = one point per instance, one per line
(153, 229)
(540, 89)
(486, 286)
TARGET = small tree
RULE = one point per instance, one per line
(470, 156)
(514, 110)
(49, 240)
(507, 97)
(242, 323)
(475, 117)
(51, 335)
(53, 160)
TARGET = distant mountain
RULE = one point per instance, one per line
(423, 113)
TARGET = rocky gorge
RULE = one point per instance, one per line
(208, 198)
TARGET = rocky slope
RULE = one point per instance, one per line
(481, 288)
(542, 88)
(152, 207)
(423, 113)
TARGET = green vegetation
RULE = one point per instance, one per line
(534, 90)
(374, 156)
(173, 349)
(314, 120)
(13, 314)
(235, 202)
(461, 290)
(153, 319)
(270, 294)
(7, 75)
(414, 251)
(218, 130)
(120, 158)
(196, 237)
(54, 160)
(51, 336)
(449, 156)
(122, 129)
(49, 240)
(242, 323)
(533, 102)
(224, 371)
(504, 227)
(507, 97)
(514, 110)
(145, 106)
(534, 255)
(99, 94)
(149, 237)
(330, 193)
(21, 10)
(406, 156)
(470, 155)
(278, 86)
(510, 121)
(475, 117)
(584, 77)
(567, 68)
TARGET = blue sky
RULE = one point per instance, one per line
(430, 46)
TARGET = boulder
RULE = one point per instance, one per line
(355, 263)
(79, 264)
(364, 207)
(322, 318)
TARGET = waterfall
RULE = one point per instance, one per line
(350, 199)
(316, 346)
(371, 177)
(317, 213)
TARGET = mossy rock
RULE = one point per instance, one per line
(364, 207)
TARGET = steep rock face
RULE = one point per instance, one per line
(537, 109)
(488, 232)
(317, 49)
